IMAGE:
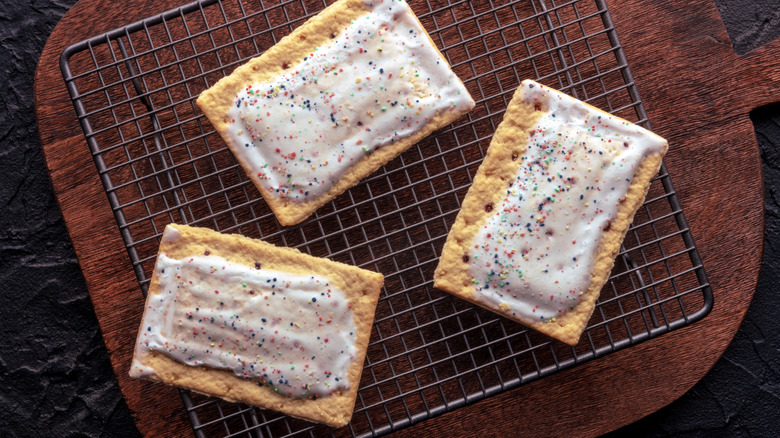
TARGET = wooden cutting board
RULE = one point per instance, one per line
(698, 95)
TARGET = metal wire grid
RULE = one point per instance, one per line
(160, 161)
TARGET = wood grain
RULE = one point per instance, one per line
(698, 95)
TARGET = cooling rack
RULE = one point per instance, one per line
(160, 161)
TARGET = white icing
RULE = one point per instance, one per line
(294, 333)
(377, 81)
(171, 234)
(535, 254)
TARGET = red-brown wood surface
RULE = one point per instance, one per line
(698, 95)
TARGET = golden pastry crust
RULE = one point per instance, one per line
(489, 185)
(216, 101)
(361, 287)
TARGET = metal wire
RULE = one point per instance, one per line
(160, 161)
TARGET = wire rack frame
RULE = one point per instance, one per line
(160, 161)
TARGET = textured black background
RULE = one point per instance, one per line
(55, 376)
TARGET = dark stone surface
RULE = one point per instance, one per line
(750, 23)
(55, 377)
